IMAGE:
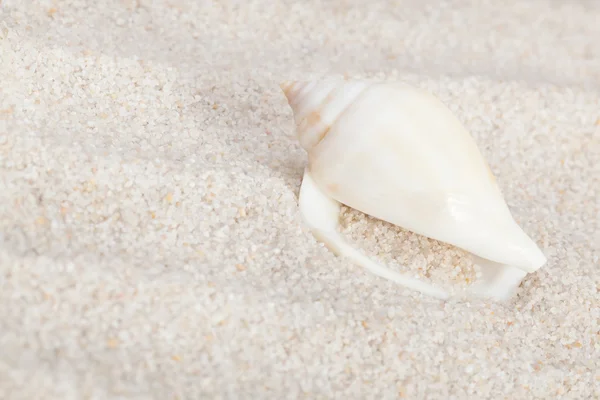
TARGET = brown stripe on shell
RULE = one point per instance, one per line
(314, 123)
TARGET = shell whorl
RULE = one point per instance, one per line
(318, 104)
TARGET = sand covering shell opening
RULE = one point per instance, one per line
(407, 252)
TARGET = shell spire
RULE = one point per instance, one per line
(316, 105)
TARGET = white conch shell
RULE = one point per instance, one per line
(398, 153)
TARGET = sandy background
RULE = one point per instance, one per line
(151, 244)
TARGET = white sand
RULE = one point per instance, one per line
(151, 245)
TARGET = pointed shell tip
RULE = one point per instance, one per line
(286, 86)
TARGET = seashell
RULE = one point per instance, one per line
(397, 153)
